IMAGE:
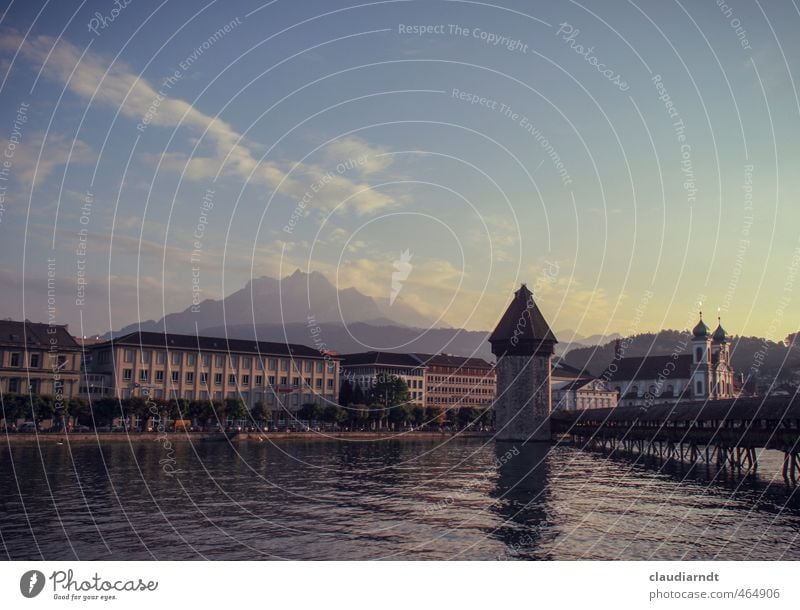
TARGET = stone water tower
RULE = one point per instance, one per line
(523, 344)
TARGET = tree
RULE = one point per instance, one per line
(41, 407)
(176, 409)
(466, 416)
(434, 415)
(235, 409)
(401, 414)
(198, 411)
(261, 412)
(358, 395)
(137, 407)
(418, 415)
(389, 393)
(13, 407)
(310, 411)
(214, 413)
(104, 410)
(80, 411)
(332, 414)
(346, 393)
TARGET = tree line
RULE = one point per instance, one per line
(103, 411)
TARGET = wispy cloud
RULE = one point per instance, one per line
(36, 157)
(92, 76)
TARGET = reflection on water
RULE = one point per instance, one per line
(521, 491)
(463, 499)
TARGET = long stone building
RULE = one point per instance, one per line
(202, 368)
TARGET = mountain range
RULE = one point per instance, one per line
(271, 309)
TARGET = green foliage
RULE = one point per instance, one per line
(401, 414)
(466, 416)
(79, 409)
(235, 408)
(389, 391)
(261, 411)
(334, 414)
(358, 395)
(310, 411)
(346, 393)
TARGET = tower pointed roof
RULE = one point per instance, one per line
(720, 336)
(522, 325)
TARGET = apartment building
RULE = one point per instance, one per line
(210, 368)
(38, 358)
(456, 381)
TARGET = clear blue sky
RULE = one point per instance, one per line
(583, 188)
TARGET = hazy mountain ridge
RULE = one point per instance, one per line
(778, 360)
(290, 300)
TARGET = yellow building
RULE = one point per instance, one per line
(211, 368)
(38, 358)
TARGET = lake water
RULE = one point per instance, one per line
(409, 499)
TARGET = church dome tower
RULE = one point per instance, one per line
(701, 360)
(721, 372)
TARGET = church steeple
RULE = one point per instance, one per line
(701, 330)
(720, 336)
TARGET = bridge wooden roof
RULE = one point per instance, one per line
(774, 408)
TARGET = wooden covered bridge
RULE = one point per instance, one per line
(727, 432)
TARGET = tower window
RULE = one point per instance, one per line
(699, 388)
(699, 353)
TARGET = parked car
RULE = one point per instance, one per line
(28, 426)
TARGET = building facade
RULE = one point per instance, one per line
(367, 368)
(457, 381)
(703, 374)
(284, 376)
(38, 358)
(583, 393)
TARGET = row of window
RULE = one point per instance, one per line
(294, 399)
(595, 403)
(469, 380)
(177, 358)
(15, 360)
(460, 370)
(18, 385)
(465, 400)
(459, 390)
(244, 380)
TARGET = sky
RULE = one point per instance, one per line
(633, 162)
